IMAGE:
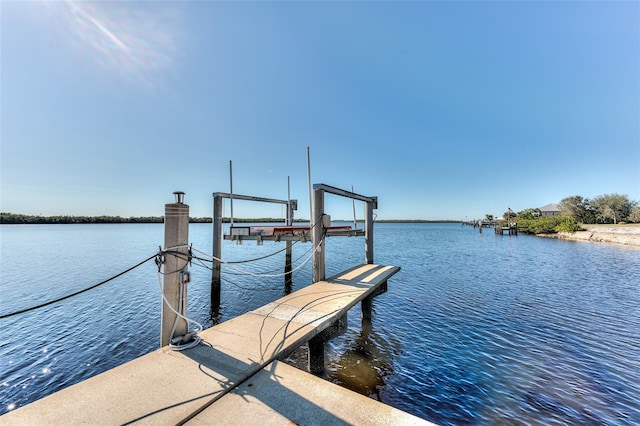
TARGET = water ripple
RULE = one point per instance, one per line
(475, 329)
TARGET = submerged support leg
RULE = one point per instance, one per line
(288, 279)
(367, 307)
(316, 355)
(316, 344)
(367, 302)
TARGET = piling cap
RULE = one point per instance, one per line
(179, 197)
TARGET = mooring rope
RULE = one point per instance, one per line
(60, 299)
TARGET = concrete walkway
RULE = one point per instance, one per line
(170, 387)
(283, 395)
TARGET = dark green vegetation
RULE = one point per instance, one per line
(576, 210)
(22, 219)
(548, 225)
(14, 218)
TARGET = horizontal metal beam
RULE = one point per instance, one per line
(344, 193)
(253, 198)
(301, 238)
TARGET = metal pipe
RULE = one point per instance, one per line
(231, 189)
(368, 236)
(310, 192)
(288, 279)
(337, 191)
(353, 203)
(317, 234)
(217, 254)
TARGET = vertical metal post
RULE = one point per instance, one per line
(367, 303)
(288, 279)
(174, 289)
(231, 191)
(316, 235)
(217, 254)
(368, 232)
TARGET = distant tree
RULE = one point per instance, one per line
(488, 217)
(612, 207)
(577, 207)
(529, 214)
(634, 216)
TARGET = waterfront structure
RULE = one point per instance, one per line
(550, 210)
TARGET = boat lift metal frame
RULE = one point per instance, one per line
(319, 189)
(218, 236)
(317, 232)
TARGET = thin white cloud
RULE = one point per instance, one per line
(137, 41)
(104, 30)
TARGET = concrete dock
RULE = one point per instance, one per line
(231, 377)
(280, 394)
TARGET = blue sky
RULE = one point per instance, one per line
(444, 110)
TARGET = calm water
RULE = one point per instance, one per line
(475, 329)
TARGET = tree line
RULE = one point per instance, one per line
(17, 218)
(21, 219)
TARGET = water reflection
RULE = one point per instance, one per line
(364, 362)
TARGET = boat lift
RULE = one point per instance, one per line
(319, 227)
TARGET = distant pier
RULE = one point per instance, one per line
(500, 227)
(509, 229)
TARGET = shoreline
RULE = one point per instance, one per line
(627, 234)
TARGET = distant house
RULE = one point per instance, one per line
(549, 210)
